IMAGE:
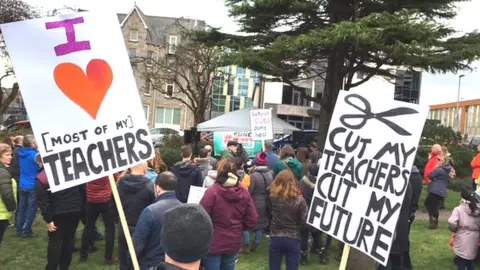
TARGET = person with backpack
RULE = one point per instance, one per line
(61, 211)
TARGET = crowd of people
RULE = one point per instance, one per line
(243, 202)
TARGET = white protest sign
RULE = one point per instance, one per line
(195, 194)
(261, 124)
(365, 168)
(82, 99)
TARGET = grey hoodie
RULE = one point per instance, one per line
(210, 179)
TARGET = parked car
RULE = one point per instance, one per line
(19, 125)
(159, 133)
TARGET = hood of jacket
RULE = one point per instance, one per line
(230, 191)
(261, 169)
(415, 169)
(464, 207)
(446, 167)
(185, 168)
(212, 174)
(133, 184)
(26, 152)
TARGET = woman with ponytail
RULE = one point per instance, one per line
(465, 224)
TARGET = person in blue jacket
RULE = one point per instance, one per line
(29, 169)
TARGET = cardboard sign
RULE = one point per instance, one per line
(261, 124)
(77, 82)
(365, 169)
(195, 194)
(220, 140)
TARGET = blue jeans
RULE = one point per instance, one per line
(246, 237)
(27, 211)
(465, 264)
(288, 247)
(220, 261)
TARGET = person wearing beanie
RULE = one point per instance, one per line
(146, 236)
(260, 181)
(231, 209)
(187, 235)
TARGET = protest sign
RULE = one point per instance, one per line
(220, 140)
(365, 168)
(195, 194)
(82, 99)
(261, 124)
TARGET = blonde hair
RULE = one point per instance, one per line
(285, 186)
(4, 148)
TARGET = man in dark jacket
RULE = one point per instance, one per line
(416, 182)
(136, 192)
(147, 234)
(15, 165)
(400, 242)
(61, 211)
(187, 173)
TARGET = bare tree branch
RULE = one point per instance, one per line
(191, 69)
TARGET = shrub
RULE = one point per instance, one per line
(170, 155)
(459, 184)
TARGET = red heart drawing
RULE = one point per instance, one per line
(86, 90)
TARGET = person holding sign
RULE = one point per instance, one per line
(288, 211)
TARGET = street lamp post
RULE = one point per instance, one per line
(457, 111)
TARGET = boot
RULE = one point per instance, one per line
(245, 249)
(323, 256)
(433, 223)
(304, 258)
(254, 247)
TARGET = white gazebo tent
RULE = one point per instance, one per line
(239, 121)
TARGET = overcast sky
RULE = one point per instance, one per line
(435, 88)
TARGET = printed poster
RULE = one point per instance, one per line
(365, 168)
(220, 140)
(82, 99)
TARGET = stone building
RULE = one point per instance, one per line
(156, 37)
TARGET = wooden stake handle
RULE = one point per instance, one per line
(345, 254)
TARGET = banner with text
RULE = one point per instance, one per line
(261, 124)
(80, 94)
(365, 169)
(220, 140)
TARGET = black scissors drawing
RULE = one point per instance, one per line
(367, 114)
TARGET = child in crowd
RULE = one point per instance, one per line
(465, 223)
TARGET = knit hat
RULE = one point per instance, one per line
(261, 159)
(187, 233)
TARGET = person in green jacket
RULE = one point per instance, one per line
(287, 158)
(231, 151)
(8, 189)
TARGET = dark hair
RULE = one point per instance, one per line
(287, 151)
(186, 151)
(203, 153)
(166, 181)
(239, 163)
(224, 167)
(302, 154)
(470, 196)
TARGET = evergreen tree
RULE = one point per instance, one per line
(335, 39)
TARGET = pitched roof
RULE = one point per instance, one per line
(158, 26)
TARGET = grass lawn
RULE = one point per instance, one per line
(427, 248)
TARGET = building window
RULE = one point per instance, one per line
(218, 86)
(168, 116)
(248, 103)
(218, 102)
(133, 35)
(231, 84)
(145, 110)
(169, 89)
(132, 52)
(241, 72)
(172, 44)
(227, 70)
(148, 86)
(149, 58)
(234, 104)
(243, 87)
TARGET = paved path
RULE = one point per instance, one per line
(420, 215)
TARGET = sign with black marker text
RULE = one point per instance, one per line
(78, 86)
(365, 168)
(261, 124)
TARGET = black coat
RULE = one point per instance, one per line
(65, 202)
(416, 181)
(401, 242)
(15, 164)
